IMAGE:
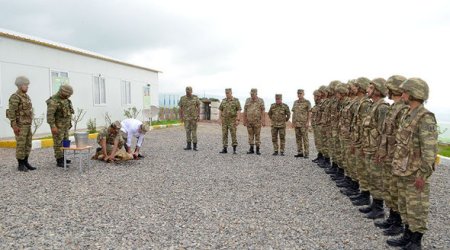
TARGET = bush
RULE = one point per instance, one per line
(92, 126)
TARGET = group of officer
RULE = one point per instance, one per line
(253, 118)
(379, 153)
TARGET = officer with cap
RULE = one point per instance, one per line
(230, 109)
(133, 128)
(300, 122)
(414, 162)
(279, 114)
(254, 119)
(190, 115)
(59, 117)
(20, 115)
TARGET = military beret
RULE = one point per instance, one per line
(278, 96)
(66, 89)
(22, 80)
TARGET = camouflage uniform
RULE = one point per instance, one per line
(345, 133)
(300, 119)
(279, 114)
(190, 107)
(253, 113)
(414, 159)
(20, 114)
(314, 121)
(229, 109)
(59, 115)
(111, 138)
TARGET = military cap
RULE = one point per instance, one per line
(189, 89)
(380, 85)
(416, 88)
(393, 83)
(22, 80)
(333, 84)
(66, 89)
(228, 90)
(278, 96)
(116, 125)
(316, 92)
(362, 83)
(145, 127)
(323, 89)
(299, 91)
(254, 91)
(342, 89)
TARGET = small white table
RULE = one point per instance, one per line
(80, 153)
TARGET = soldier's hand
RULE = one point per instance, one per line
(419, 183)
(54, 130)
(16, 130)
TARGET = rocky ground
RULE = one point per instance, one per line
(199, 200)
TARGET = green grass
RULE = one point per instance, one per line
(165, 122)
(444, 150)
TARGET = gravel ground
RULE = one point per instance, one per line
(198, 200)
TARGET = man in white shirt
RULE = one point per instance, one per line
(133, 128)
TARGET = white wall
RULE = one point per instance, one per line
(36, 62)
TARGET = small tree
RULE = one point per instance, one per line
(131, 112)
(91, 126)
(107, 119)
(37, 122)
(76, 118)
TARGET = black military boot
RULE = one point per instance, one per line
(325, 163)
(275, 153)
(319, 156)
(282, 153)
(396, 227)
(188, 146)
(257, 150)
(363, 199)
(377, 210)
(251, 150)
(298, 155)
(366, 209)
(194, 146)
(234, 149)
(60, 162)
(27, 164)
(384, 224)
(21, 166)
(331, 170)
(402, 241)
(224, 150)
(415, 242)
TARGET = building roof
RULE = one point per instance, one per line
(66, 48)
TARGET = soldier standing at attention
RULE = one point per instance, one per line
(20, 114)
(314, 120)
(190, 114)
(414, 161)
(59, 117)
(300, 122)
(229, 108)
(279, 114)
(253, 119)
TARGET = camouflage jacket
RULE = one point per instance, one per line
(416, 144)
(229, 108)
(314, 115)
(59, 112)
(254, 110)
(279, 114)
(346, 116)
(322, 119)
(20, 111)
(361, 110)
(190, 107)
(300, 112)
(110, 138)
(372, 125)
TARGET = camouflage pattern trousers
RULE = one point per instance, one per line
(281, 132)
(301, 137)
(325, 140)
(63, 134)
(254, 133)
(23, 141)
(350, 168)
(413, 205)
(316, 134)
(229, 126)
(361, 168)
(191, 130)
(375, 178)
(390, 190)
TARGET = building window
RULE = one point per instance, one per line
(58, 78)
(99, 90)
(126, 92)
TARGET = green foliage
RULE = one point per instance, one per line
(444, 150)
(131, 112)
(166, 122)
(92, 126)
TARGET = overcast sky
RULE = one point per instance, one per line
(276, 46)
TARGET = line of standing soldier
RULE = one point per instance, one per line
(377, 150)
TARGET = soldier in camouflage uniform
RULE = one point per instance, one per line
(190, 114)
(20, 115)
(372, 126)
(385, 154)
(324, 126)
(414, 161)
(319, 125)
(314, 123)
(279, 114)
(230, 109)
(254, 118)
(111, 144)
(59, 117)
(300, 122)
